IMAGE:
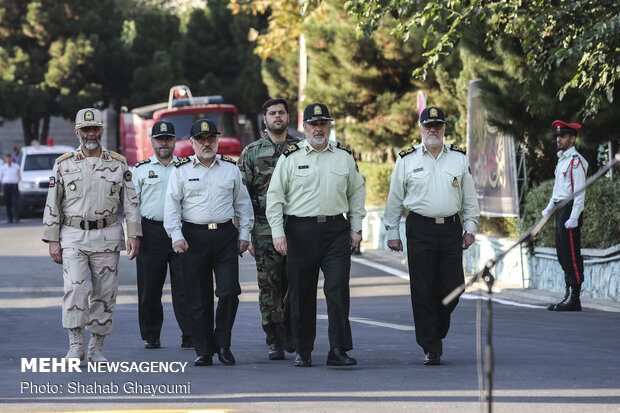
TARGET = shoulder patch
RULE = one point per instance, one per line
(117, 156)
(344, 148)
(406, 152)
(290, 150)
(64, 156)
(229, 159)
(145, 161)
(181, 161)
(457, 149)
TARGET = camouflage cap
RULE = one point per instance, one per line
(162, 129)
(203, 127)
(316, 111)
(88, 117)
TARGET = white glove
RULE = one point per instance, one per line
(571, 223)
(546, 211)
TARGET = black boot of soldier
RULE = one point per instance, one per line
(572, 303)
(274, 337)
(551, 307)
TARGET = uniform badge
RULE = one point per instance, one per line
(127, 175)
(152, 174)
(455, 182)
(317, 110)
(115, 187)
(163, 127)
(79, 157)
(204, 127)
(72, 186)
(433, 113)
(89, 116)
(52, 181)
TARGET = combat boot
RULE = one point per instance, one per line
(95, 348)
(551, 307)
(274, 340)
(76, 344)
(572, 303)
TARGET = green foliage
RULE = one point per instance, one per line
(601, 221)
(377, 176)
(498, 227)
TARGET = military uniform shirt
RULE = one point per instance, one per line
(206, 195)
(435, 188)
(80, 191)
(308, 183)
(570, 176)
(256, 164)
(151, 179)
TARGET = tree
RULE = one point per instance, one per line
(53, 58)
(584, 33)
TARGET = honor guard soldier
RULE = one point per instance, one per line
(256, 164)
(86, 190)
(314, 183)
(570, 176)
(150, 178)
(205, 191)
(433, 182)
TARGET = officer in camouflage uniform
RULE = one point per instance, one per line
(257, 163)
(81, 225)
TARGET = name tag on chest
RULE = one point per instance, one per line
(303, 166)
(194, 179)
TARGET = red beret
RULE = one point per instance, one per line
(561, 127)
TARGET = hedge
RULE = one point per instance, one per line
(601, 216)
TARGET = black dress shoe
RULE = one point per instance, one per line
(186, 342)
(203, 361)
(225, 356)
(152, 344)
(339, 357)
(432, 359)
(303, 360)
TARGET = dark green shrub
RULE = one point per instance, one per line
(377, 177)
(601, 217)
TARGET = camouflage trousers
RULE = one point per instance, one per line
(90, 287)
(272, 283)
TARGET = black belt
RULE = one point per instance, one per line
(318, 219)
(88, 225)
(152, 221)
(211, 226)
(445, 220)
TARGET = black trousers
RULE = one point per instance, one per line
(11, 201)
(313, 246)
(211, 252)
(152, 263)
(435, 256)
(568, 246)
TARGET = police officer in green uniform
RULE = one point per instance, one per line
(314, 183)
(205, 192)
(86, 190)
(433, 182)
(256, 164)
(570, 176)
(150, 177)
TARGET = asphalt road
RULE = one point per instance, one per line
(544, 361)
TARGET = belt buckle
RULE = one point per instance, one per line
(211, 226)
(100, 223)
(439, 221)
(321, 219)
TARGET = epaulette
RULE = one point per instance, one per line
(453, 147)
(147, 160)
(344, 148)
(117, 156)
(64, 156)
(229, 159)
(290, 150)
(406, 152)
(181, 161)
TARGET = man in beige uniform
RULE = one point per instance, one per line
(433, 182)
(81, 225)
(314, 183)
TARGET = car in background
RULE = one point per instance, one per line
(36, 163)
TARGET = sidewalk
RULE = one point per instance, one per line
(502, 291)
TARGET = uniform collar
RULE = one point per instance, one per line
(309, 148)
(79, 155)
(569, 152)
(155, 160)
(424, 150)
(196, 161)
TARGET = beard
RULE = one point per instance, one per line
(271, 127)
(90, 144)
(433, 141)
(317, 141)
(164, 153)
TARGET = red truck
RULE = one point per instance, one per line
(182, 109)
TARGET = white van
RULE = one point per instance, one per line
(36, 163)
